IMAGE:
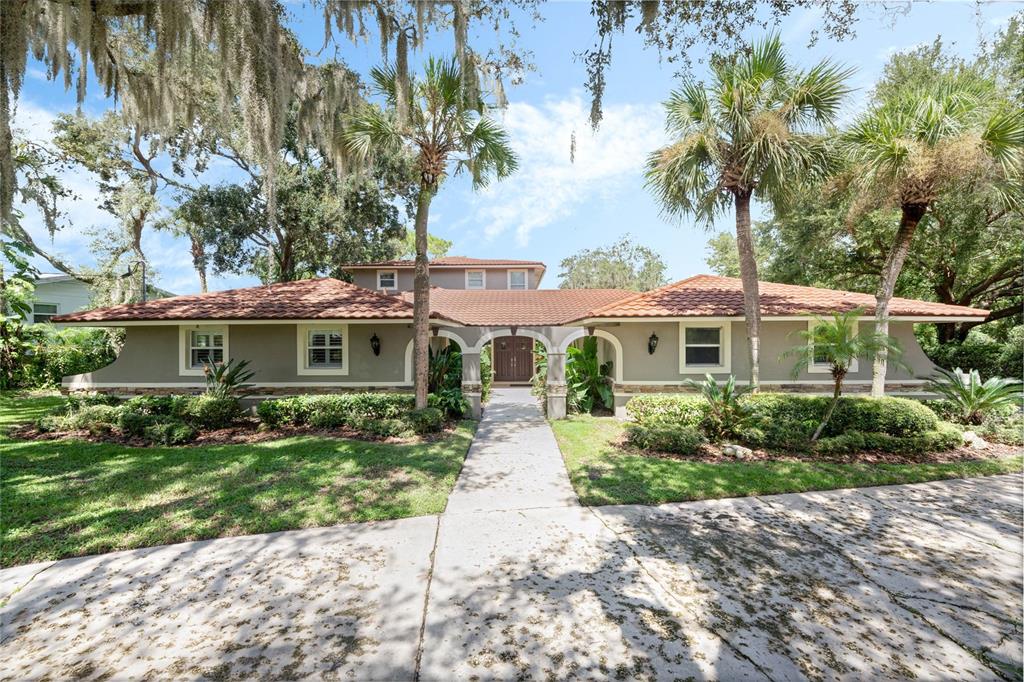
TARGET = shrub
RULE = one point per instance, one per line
(96, 419)
(663, 436)
(892, 416)
(160, 405)
(76, 401)
(330, 411)
(210, 411)
(1003, 428)
(685, 410)
(273, 413)
(169, 432)
(486, 373)
(57, 353)
(382, 428)
(587, 380)
(980, 351)
(449, 401)
(426, 420)
(134, 423)
(944, 436)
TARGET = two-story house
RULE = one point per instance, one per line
(451, 272)
(512, 357)
(326, 335)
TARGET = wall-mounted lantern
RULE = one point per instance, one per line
(590, 331)
(652, 343)
(514, 329)
(375, 344)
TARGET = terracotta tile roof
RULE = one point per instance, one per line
(534, 307)
(708, 295)
(452, 262)
(306, 299)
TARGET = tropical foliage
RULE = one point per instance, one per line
(971, 398)
(227, 379)
(752, 134)
(838, 343)
(726, 415)
(442, 121)
(445, 369)
(588, 380)
(913, 147)
(16, 289)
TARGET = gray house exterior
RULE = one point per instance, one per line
(325, 335)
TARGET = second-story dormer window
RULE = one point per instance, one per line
(387, 279)
(517, 279)
(474, 279)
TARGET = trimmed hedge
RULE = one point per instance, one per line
(687, 410)
(782, 421)
(665, 436)
(211, 412)
(326, 411)
(944, 437)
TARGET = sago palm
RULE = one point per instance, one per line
(906, 152)
(973, 399)
(752, 133)
(448, 131)
(837, 343)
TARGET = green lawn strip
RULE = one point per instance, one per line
(17, 407)
(602, 473)
(69, 498)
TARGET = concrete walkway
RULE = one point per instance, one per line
(514, 462)
(516, 581)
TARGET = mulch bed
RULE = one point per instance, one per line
(246, 431)
(713, 454)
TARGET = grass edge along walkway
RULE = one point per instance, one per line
(603, 474)
(71, 498)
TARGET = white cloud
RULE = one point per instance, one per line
(548, 186)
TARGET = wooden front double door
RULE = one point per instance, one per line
(513, 359)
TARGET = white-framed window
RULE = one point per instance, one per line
(387, 279)
(199, 344)
(820, 363)
(476, 279)
(322, 349)
(705, 346)
(42, 312)
(517, 279)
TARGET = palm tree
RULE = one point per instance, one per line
(751, 134)
(907, 151)
(837, 343)
(445, 125)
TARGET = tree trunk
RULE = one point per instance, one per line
(199, 261)
(421, 299)
(837, 390)
(912, 214)
(748, 274)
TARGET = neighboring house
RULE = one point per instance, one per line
(58, 294)
(325, 335)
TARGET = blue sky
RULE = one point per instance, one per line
(552, 207)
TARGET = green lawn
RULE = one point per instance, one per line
(66, 498)
(602, 473)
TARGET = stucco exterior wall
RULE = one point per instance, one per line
(776, 338)
(151, 355)
(446, 278)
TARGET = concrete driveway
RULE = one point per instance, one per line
(516, 580)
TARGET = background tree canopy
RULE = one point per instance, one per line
(623, 265)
